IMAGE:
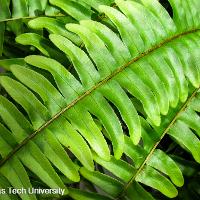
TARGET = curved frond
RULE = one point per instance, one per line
(15, 14)
(135, 80)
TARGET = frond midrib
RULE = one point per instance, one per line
(88, 92)
(182, 109)
(101, 17)
(30, 17)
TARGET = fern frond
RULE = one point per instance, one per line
(15, 14)
(144, 71)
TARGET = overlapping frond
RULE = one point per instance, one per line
(145, 71)
(15, 14)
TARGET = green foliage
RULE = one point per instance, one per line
(15, 15)
(89, 113)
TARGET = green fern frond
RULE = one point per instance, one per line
(15, 14)
(142, 67)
